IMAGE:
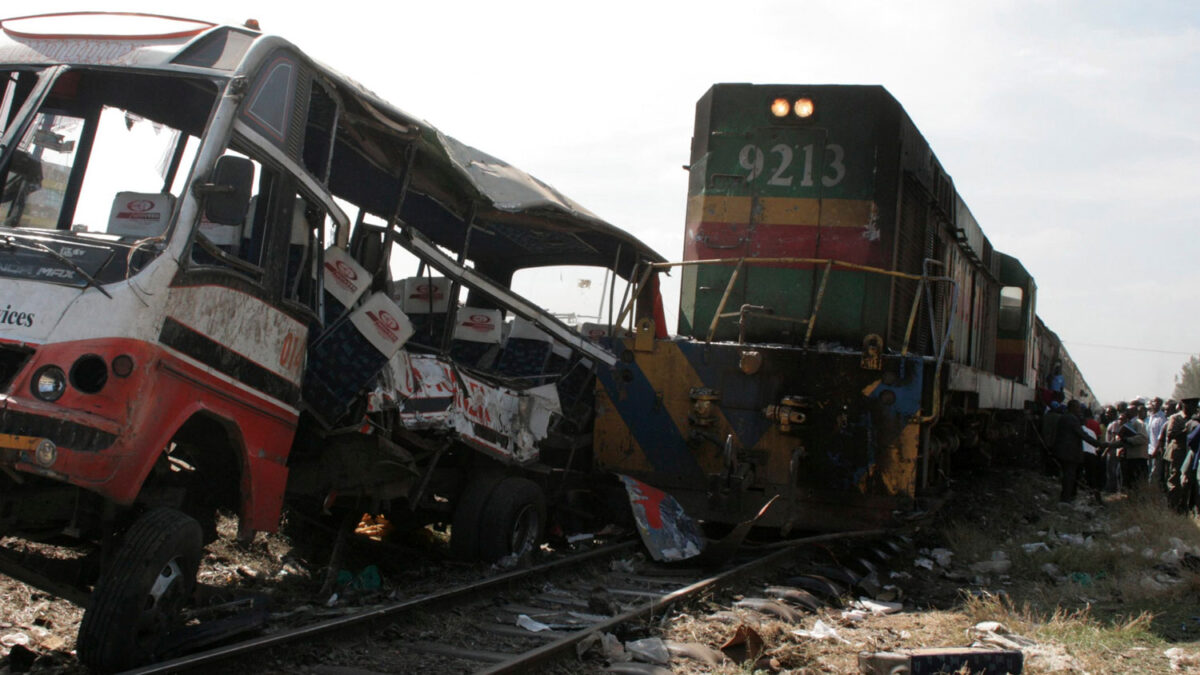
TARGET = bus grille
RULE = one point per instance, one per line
(12, 359)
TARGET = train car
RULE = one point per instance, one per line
(845, 328)
(1057, 375)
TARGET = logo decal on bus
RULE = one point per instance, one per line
(343, 274)
(386, 324)
(18, 318)
(480, 322)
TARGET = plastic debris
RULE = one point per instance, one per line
(612, 648)
(849, 617)
(1034, 547)
(924, 563)
(650, 650)
(821, 631)
(532, 625)
(942, 556)
(878, 607)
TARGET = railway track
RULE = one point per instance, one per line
(526, 619)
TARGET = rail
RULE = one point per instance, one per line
(635, 593)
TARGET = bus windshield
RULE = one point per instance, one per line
(102, 160)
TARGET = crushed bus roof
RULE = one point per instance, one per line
(524, 222)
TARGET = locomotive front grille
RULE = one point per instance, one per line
(12, 360)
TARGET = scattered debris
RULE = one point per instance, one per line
(649, 650)
(744, 645)
(821, 631)
(999, 564)
(941, 660)
(531, 625)
(696, 652)
(1183, 660)
(667, 531)
(772, 607)
(877, 607)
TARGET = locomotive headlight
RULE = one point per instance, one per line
(780, 107)
(803, 108)
(49, 383)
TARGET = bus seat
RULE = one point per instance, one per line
(477, 334)
(526, 351)
(426, 300)
(140, 214)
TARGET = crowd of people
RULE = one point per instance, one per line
(1126, 447)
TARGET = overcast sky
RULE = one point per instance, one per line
(1070, 128)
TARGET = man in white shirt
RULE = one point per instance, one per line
(1156, 422)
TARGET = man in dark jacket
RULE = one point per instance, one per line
(1175, 435)
(1069, 438)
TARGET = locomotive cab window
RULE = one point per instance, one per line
(1011, 299)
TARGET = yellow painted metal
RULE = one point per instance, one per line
(644, 337)
(897, 465)
(616, 445)
(780, 211)
(15, 442)
(812, 319)
(712, 330)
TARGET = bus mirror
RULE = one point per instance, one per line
(228, 194)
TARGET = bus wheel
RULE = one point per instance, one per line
(468, 515)
(141, 597)
(513, 521)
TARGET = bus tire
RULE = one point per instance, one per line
(513, 521)
(468, 515)
(139, 599)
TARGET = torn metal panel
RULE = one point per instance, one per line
(667, 531)
(430, 393)
(505, 186)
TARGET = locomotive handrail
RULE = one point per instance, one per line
(810, 322)
(923, 280)
(790, 261)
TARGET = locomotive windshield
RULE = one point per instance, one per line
(94, 162)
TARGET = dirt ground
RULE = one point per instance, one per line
(1104, 585)
(1097, 586)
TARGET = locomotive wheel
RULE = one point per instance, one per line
(468, 515)
(514, 520)
(140, 598)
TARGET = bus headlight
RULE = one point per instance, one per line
(780, 107)
(46, 453)
(803, 108)
(49, 383)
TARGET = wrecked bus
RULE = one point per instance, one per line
(230, 277)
